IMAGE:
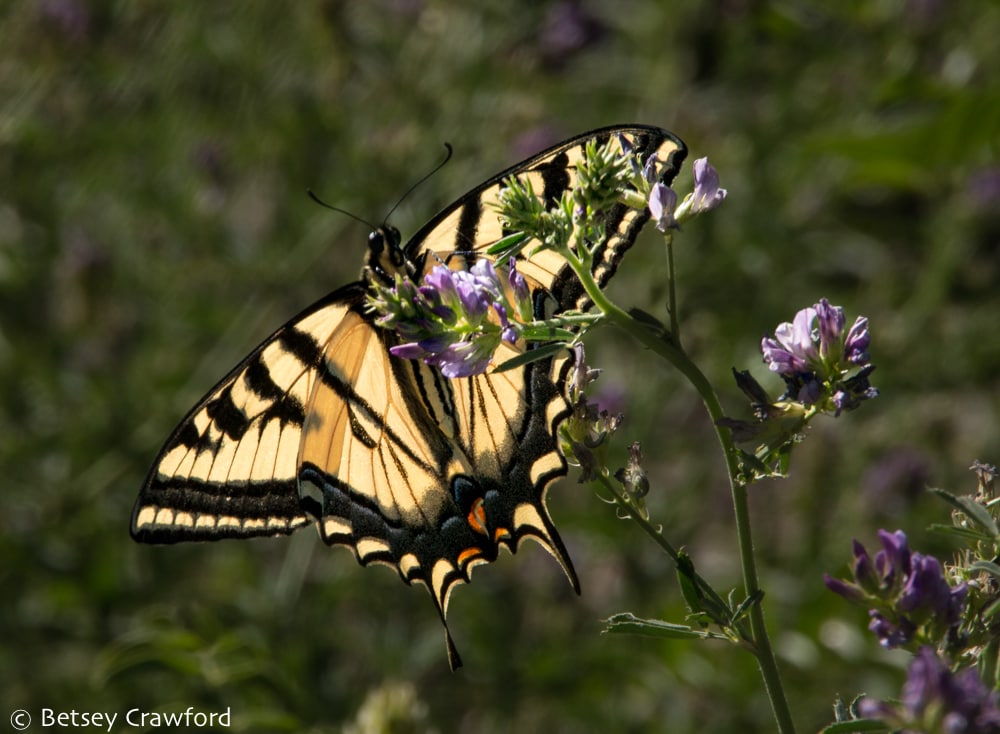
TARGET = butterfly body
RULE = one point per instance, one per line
(408, 468)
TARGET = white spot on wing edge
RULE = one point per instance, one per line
(371, 546)
(164, 516)
(336, 526)
(146, 516)
(441, 585)
(409, 566)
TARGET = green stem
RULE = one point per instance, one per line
(675, 327)
(636, 515)
(672, 353)
(988, 661)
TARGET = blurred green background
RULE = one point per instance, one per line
(154, 226)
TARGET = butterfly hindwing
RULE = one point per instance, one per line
(434, 475)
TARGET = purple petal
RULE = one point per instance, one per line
(662, 202)
(831, 321)
(649, 170)
(897, 552)
(408, 351)
(779, 359)
(707, 194)
(926, 680)
(463, 359)
(864, 571)
(811, 390)
(857, 341)
(847, 590)
(798, 338)
(518, 285)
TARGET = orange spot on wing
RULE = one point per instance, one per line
(467, 555)
(477, 518)
(501, 534)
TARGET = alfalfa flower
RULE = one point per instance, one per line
(908, 595)
(454, 320)
(935, 699)
(816, 358)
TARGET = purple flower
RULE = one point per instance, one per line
(831, 322)
(662, 203)
(927, 595)
(792, 350)
(454, 320)
(934, 699)
(814, 356)
(707, 194)
(909, 593)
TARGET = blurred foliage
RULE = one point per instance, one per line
(154, 226)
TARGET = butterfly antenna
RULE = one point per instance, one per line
(355, 217)
(438, 167)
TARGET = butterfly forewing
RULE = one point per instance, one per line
(231, 467)
(469, 228)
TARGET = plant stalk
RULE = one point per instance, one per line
(667, 349)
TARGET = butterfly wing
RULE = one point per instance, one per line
(230, 469)
(470, 226)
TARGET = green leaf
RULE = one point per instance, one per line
(745, 606)
(509, 245)
(628, 624)
(988, 567)
(991, 611)
(975, 511)
(532, 355)
(964, 534)
(686, 579)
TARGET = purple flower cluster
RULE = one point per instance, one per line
(934, 699)
(909, 595)
(814, 354)
(455, 319)
(662, 201)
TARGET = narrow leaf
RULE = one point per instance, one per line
(627, 623)
(532, 355)
(966, 534)
(508, 245)
(975, 511)
(988, 567)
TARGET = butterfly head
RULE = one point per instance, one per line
(386, 256)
